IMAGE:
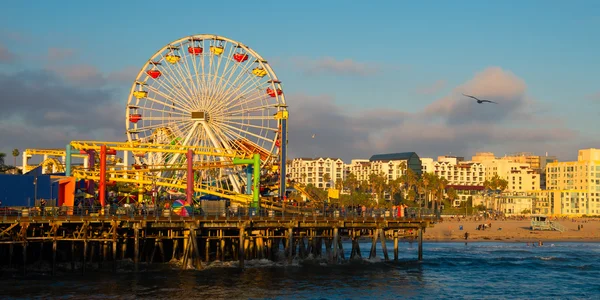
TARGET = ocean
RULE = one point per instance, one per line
(478, 270)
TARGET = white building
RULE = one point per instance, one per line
(312, 171)
(466, 178)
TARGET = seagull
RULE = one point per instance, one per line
(480, 100)
(313, 136)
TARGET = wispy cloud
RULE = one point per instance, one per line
(594, 97)
(333, 66)
(432, 88)
(6, 56)
(450, 124)
(59, 54)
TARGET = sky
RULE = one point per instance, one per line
(363, 78)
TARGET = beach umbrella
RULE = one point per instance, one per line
(181, 208)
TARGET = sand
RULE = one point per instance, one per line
(512, 231)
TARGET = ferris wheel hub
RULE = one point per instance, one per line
(201, 115)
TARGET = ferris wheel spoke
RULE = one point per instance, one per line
(234, 130)
(170, 119)
(183, 80)
(244, 76)
(165, 111)
(149, 128)
(175, 80)
(220, 73)
(244, 118)
(261, 127)
(244, 102)
(172, 90)
(238, 70)
(249, 110)
(190, 75)
(164, 104)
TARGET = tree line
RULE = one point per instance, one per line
(4, 168)
(428, 190)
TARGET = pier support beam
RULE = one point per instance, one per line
(421, 244)
(136, 247)
(395, 245)
(241, 247)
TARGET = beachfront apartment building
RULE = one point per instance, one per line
(393, 165)
(573, 187)
(465, 177)
(313, 171)
(520, 176)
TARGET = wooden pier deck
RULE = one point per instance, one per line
(196, 241)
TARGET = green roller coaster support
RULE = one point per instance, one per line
(255, 162)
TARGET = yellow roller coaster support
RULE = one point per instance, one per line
(147, 180)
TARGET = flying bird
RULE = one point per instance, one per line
(480, 100)
(313, 136)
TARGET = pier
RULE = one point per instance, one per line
(198, 240)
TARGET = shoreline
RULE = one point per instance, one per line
(518, 231)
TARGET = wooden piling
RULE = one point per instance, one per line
(241, 247)
(383, 244)
(421, 244)
(197, 261)
(290, 244)
(335, 245)
(373, 252)
(54, 256)
(395, 245)
(136, 247)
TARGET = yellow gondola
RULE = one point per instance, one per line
(216, 50)
(260, 72)
(140, 94)
(173, 59)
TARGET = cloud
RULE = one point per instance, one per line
(127, 74)
(60, 54)
(594, 97)
(42, 110)
(452, 124)
(6, 56)
(91, 76)
(332, 66)
(432, 88)
(493, 83)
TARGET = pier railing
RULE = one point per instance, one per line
(283, 212)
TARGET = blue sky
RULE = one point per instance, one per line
(420, 53)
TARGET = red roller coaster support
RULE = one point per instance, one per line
(102, 181)
(190, 177)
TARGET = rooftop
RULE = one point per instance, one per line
(393, 156)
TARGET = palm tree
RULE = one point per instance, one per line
(326, 179)
(2, 156)
(495, 184)
(15, 153)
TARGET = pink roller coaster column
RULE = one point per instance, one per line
(102, 181)
(190, 176)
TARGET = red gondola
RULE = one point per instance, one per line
(134, 118)
(240, 57)
(195, 50)
(154, 73)
(271, 92)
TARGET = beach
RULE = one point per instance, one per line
(512, 231)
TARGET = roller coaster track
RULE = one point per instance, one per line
(136, 147)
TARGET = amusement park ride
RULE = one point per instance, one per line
(205, 115)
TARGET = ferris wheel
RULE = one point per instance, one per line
(208, 91)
